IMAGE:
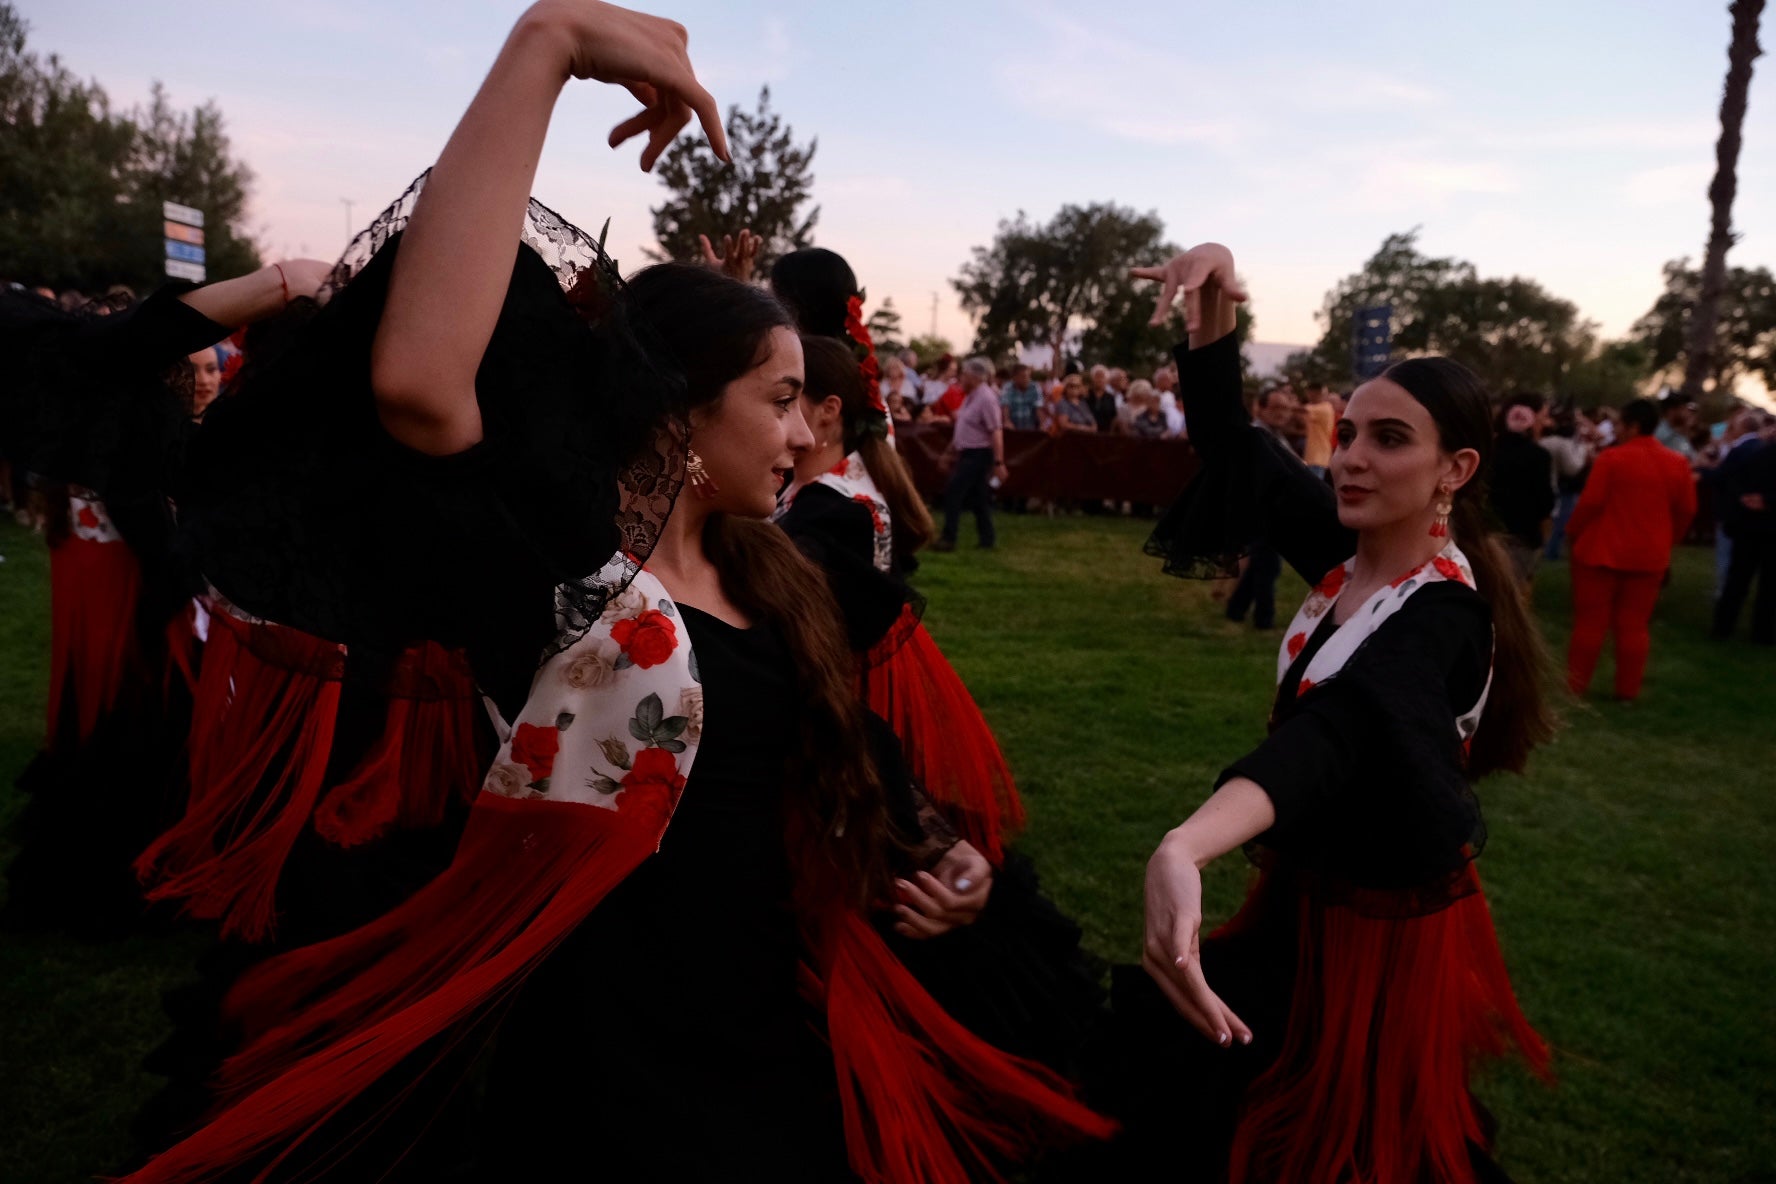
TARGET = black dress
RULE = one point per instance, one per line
(666, 1038)
(1376, 827)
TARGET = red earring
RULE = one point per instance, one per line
(701, 483)
(1440, 527)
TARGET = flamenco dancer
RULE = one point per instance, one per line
(853, 509)
(1327, 1032)
(101, 402)
(661, 912)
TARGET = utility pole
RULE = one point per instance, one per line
(351, 227)
(934, 314)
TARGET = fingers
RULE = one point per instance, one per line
(663, 133)
(1147, 273)
(708, 114)
(641, 121)
(919, 928)
(709, 255)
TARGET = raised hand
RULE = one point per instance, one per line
(648, 56)
(1172, 954)
(1205, 275)
(738, 254)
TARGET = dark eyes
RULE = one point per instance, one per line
(1386, 438)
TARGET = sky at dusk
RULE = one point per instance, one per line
(1570, 141)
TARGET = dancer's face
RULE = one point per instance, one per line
(826, 426)
(749, 437)
(208, 380)
(1390, 460)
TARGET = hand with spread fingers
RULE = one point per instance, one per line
(1205, 276)
(739, 253)
(648, 56)
(950, 895)
(1172, 954)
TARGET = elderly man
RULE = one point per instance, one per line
(1022, 397)
(977, 449)
(1102, 399)
(1743, 537)
(1256, 590)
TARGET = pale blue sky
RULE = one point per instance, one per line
(1567, 140)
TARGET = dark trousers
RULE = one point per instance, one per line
(1754, 558)
(1257, 590)
(968, 490)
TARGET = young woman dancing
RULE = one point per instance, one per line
(1328, 1031)
(662, 908)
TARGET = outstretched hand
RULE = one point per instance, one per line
(738, 254)
(1172, 954)
(1202, 272)
(647, 55)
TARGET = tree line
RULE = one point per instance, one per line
(81, 185)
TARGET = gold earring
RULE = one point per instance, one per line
(1440, 527)
(698, 476)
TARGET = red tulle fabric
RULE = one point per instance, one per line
(949, 747)
(1388, 1018)
(425, 758)
(924, 1099)
(261, 733)
(94, 653)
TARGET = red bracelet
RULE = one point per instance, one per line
(284, 280)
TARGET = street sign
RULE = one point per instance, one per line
(1372, 332)
(185, 251)
(172, 211)
(181, 270)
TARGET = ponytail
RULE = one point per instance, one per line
(909, 518)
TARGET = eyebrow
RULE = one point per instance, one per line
(1380, 423)
(790, 381)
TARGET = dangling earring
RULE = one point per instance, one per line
(701, 483)
(1440, 527)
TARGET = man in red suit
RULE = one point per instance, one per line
(1635, 508)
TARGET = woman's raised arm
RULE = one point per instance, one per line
(456, 257)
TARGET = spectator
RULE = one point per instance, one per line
(1148, 421)
(1101, 399)
(1635, 508)
(1522, 488)
(1320, 429)
(1022, 397)
(1071, 413)
(206, 380)
(1256, 590)
(940, 376)
(898, 380)
(1571, 456)
(978, 453)
(1165, 383)
(1676, 424)
(1745, 539)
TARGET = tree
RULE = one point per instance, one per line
(1034, 283)
(1744, 333)
(1701, 341)
(62, 158)
(81, 188)
(764, 190)
(185, 158)
(885, 329)
(1512, 332)
(1610, 377)
(930, 348)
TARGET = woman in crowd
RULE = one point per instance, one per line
(1327, 1032)
(516, 470)
(1637, 504)
(1071, 413)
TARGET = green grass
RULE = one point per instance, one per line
(1630, 873)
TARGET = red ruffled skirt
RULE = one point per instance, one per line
(94, 652)
(949, 747)
(1389, 1016)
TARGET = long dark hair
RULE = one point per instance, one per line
(712, 330)
(1519, 713)
(816, 285)
(832, 369)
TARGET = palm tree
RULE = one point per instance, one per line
(1740, 54)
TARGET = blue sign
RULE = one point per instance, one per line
(185, 251)
(1372, 332)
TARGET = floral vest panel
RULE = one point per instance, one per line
(851, 477)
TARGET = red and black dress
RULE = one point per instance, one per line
(628, 965)
(1364, 959)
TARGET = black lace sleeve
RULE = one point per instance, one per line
(836, 534)
(1366, 770)
(1249, 486)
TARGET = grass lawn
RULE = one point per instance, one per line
(1630, 873)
